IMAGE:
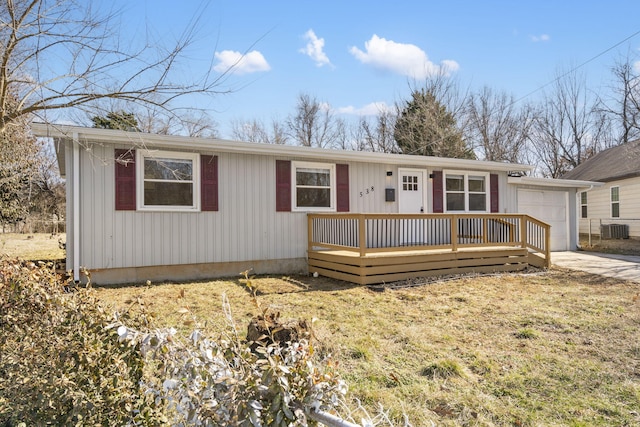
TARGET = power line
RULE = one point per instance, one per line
(539, 88)
(577, 67)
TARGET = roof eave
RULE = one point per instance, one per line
(115, 137)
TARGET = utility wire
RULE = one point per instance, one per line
(539, 88)
(576, 67)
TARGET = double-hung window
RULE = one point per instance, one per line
(466, 191)
(583, 204)
(615, 202)
(168, 181)
(315, 186)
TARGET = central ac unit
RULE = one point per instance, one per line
(614, 231)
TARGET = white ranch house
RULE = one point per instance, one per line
(155, 207)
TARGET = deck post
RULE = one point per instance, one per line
(454, 232)
(523, 230)
(362, 238)
(309, 233)
(547, 246)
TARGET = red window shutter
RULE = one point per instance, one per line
(125, 180)
(493, 193)
(342, 188)
(438, 199)
(283, 186)
(208, 183)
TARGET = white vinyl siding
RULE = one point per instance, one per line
(245, 228)
(600, 207)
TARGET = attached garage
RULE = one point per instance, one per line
(553, 201)
(551, 207)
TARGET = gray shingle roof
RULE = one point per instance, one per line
(620, 162)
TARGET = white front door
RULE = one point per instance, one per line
(411, 191)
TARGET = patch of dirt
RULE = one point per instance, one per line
(269, 328)
(629, 246)
(266, 285)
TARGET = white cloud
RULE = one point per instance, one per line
(315, 49)
(540, 38)
(636, 67)
(237, 63)
(402, 58)
(372, 109)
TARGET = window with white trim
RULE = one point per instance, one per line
(583, 204)
(314, 186)
(168, 181)
(615, 202)
(466, 191)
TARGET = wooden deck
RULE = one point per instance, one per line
(367, 249)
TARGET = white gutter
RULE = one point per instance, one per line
(152, 141)
(553, 182)
(76, 208)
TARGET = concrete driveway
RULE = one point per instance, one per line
(624, 267)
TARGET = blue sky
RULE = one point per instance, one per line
(358, 55)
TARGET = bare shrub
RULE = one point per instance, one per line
(58, 362)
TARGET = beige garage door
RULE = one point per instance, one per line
(551, 207)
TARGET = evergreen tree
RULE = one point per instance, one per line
(426, 128)
(117, 120)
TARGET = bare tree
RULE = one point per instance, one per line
(198, 124)
(314, 124)
(58, 54)
(624, 106)
(567, 128)
(47, 192)
(153, 120)
(342, 139)
(20, 163)
(547, 143)
(255, 131)
(496, 128)
(248, 131)
(278, 134)
(377, 134)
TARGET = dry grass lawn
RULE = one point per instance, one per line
(552, 348)
(35, 246)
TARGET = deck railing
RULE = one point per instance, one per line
(370, 233)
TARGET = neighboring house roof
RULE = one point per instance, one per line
(620, 162)
(108, 136)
